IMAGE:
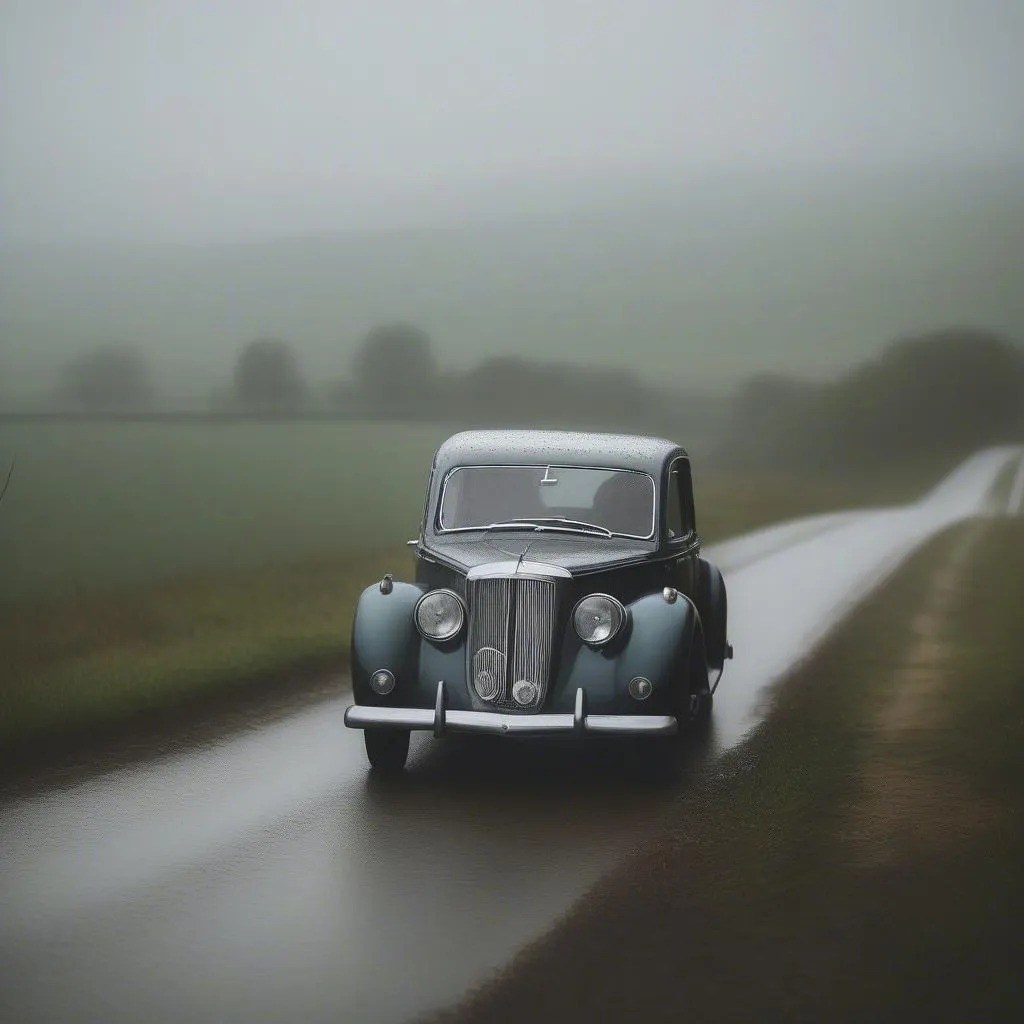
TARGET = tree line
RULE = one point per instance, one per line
(948, 390)
(394, 374)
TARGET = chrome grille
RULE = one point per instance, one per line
(511, 630)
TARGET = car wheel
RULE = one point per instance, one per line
(386, 749)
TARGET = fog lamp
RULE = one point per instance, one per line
(382, 682)
(524, 692)
(640, 688)
(488, 672)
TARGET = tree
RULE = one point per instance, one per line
(394, 365)
(948, 391)
(267, 376)
(112, 377)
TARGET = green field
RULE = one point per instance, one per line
(94, 506)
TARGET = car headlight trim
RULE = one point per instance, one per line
(598, 618)
(439, 615)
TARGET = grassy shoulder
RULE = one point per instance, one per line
(98, 658)
(729, 504)
(857, 859)
(77, 664)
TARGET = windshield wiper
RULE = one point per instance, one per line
(539, 524)
(562, 521)
(546, 523)
(510, 524)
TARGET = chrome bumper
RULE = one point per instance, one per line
(440, 720)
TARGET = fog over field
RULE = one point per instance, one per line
(702, 285)
(696, 190)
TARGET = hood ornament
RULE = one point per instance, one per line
(523, 555)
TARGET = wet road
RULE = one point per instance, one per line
(265, 878)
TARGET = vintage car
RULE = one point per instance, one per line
(559, 588)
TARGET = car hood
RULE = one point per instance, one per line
(576, 554)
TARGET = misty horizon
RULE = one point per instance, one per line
(697, 287)
(697, 191)
(227, 120)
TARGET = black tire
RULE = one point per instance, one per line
(386, 749)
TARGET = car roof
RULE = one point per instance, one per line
(557, 447)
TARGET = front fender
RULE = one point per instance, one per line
(712, 601)
(384, 635)
(657, 645)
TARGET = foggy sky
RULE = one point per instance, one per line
(170, 119)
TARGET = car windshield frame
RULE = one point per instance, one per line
(548, 523)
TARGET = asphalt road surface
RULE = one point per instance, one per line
(265, 878)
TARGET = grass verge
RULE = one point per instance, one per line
(732, 503)
(857, 859)
(78, 664)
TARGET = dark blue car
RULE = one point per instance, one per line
(559, 588)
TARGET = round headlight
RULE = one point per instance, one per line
(439, 615)
(598, 618)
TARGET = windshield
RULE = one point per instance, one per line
(555, 497)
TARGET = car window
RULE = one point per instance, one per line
(679, 517)
(674, 519)
(621, 501)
